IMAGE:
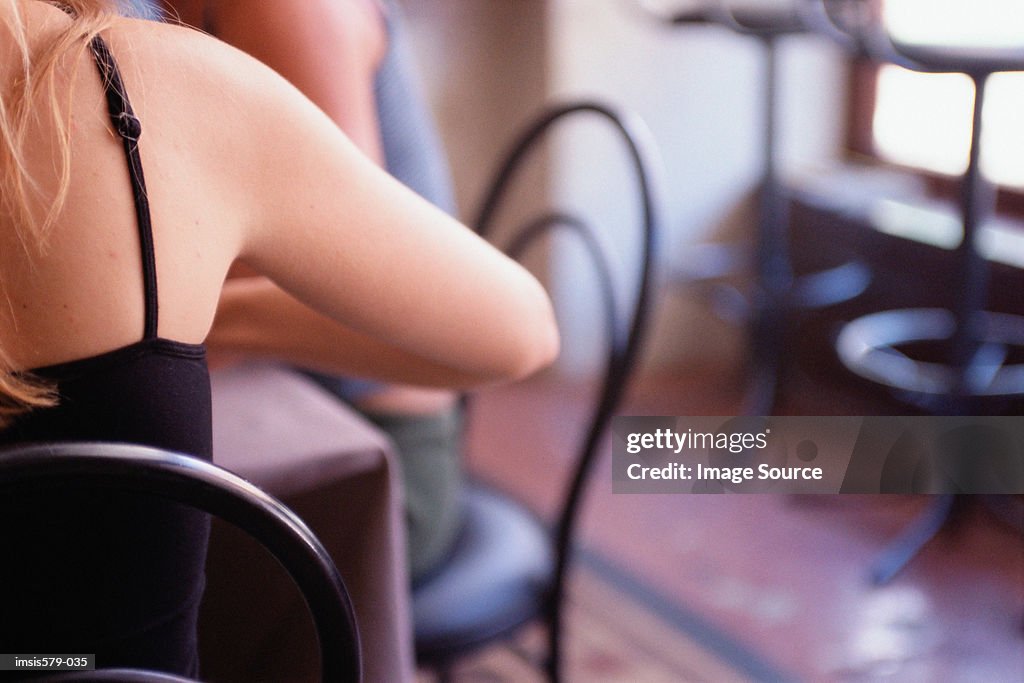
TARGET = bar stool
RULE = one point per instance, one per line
(777, 292)
(977, 342)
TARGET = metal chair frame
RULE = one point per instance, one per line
(625, 338)
(204, 486)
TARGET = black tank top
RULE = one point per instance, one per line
(114, 575)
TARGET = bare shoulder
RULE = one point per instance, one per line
(211, 146)
(208, 93)
(189, 62)
(215, 114)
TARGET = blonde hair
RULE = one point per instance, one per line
(33, 93)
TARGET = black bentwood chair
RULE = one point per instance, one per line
(506, 568)
(206, 487)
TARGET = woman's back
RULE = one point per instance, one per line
(112, 574)
(82, 293)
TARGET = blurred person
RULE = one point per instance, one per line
(351, 59)
(359, 276)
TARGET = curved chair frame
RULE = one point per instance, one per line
(624, 344)
(204, 486)
(112, 676)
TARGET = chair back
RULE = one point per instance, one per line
(187, 480)
(625, 330)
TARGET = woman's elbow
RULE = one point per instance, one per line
(537, 339)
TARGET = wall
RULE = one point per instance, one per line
(483, 66)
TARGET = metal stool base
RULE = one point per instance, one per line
(868, 347)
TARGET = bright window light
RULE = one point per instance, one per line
(923, 120)
(993, 23)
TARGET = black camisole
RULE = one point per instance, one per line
(115, 575)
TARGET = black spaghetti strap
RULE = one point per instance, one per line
(128, 127)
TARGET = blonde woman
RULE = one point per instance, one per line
(128, 191)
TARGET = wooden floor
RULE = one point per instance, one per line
(777, 583)
(615, 637)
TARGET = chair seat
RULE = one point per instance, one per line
(496, 579)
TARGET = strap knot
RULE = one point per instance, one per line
(128, 126)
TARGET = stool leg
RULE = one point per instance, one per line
(977, 203)
(773, 272)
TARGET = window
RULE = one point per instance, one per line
(923, 120)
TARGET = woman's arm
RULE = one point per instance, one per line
(258, 319)
(343, 237)
(332, 51)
